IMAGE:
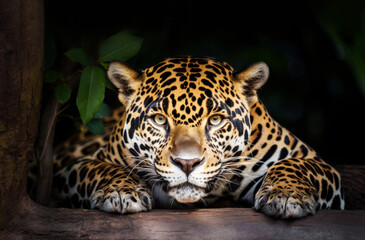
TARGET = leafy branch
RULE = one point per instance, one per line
(93, 81)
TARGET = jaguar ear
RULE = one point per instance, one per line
(252, 79)
(125, 78)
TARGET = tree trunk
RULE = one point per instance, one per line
(21, 55)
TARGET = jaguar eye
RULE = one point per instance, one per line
(160, 119)
(215, 120)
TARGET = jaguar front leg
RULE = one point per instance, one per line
(295, 188)
(90, 183)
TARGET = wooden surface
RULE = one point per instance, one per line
(38, 222)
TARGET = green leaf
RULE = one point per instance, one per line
(104, 65)
(109, 85)
(104, 111)
(96, 126)
(78, 55)
(63, 92)
(52, 76)
(91, 91)
(121, 46)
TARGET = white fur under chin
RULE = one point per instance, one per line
(172, 199)
(187, 193)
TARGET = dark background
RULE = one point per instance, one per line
(313, 89)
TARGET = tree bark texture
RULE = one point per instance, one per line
(217, 223)
(21, 56)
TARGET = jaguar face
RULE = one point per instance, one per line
(185, 119)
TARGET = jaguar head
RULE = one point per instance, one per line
(185, 119)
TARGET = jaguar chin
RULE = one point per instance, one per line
(187, 193)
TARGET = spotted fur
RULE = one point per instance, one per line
(194, 131)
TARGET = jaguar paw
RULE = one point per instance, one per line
(123, 200)
(282, 203)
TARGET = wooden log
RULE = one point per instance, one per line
(40, 222)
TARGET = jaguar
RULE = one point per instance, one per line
(192, 131)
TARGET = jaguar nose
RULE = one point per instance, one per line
(187, 165)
